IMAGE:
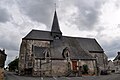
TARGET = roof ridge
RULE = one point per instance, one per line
(40, 30)
(79, 37)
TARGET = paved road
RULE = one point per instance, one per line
(12, 76)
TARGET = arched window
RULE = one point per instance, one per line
(66, 53)
(47, 55)
(56, 37)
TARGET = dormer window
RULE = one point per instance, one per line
(66, 53)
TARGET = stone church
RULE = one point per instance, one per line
(49, 53)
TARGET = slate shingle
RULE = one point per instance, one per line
(39, 35)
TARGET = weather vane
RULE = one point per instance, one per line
(55, 5)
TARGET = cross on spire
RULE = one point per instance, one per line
(55, 6)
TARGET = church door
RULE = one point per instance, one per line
(74, 65)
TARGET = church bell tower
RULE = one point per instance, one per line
(55, 31)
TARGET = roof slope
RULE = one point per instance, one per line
(39, 35)
(117, 57)
(76, 52)
(89, 44)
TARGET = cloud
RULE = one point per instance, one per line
(84, 14)
(38, 10)
(109, 38)
(112, 48)
(9, 37)
(89, 12)
(4, 15)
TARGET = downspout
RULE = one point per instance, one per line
(40, 69)
(103, 61)
(96, 68)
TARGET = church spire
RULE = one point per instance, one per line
(55, 25)
(55, 31)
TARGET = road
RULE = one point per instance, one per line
(12, 76)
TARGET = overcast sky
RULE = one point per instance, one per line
(99, 19)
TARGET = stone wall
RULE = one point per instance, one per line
(46, 67)
(111, 66)
(22, 54)
(42, 68)
(91, 65)
(101, 60)
(38, 43)
(117, 65)
(1, 74)
(59, 67)
(2, 58)
(52, 68)
(25, 55)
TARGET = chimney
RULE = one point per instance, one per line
(3, 50)
(118, 53)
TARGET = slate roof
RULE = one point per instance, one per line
(88, 44)
(79, 47)
(55, 25)
(117, 57)
(38, 35)
(76, 52)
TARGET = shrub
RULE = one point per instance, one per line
(85, 69)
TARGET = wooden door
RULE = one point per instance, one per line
(74, 65)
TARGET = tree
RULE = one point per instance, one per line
(13, 65)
